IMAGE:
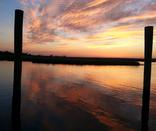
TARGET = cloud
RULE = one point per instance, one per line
(52, 20)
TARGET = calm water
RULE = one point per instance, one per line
(76, 98)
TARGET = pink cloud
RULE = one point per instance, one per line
(50, 20)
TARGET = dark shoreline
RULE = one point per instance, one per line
(8, 56)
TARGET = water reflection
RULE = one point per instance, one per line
(16, 99)
(74, 98)
(6, 72)
(116, 104)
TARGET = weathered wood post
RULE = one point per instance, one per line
(147, 77)
(16, 99)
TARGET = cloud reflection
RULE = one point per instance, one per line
(48, 89)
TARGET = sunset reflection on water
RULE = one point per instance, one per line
(77, 98)
(109, 94)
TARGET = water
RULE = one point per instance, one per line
(76, 98)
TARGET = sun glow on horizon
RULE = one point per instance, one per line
(98, 28)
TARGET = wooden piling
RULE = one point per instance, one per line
(18, 33)
(147, 77)
(16, 100)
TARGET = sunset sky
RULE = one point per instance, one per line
(96, 28)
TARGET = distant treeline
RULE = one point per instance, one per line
(72, 60)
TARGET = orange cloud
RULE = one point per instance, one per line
(88, 23)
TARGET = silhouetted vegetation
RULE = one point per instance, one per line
(71, 60)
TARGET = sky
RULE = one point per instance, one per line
(86, 28)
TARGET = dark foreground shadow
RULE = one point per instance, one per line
(16, 99)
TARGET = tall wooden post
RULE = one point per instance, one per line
(16, 100)
(147, 77)
(18, 33)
